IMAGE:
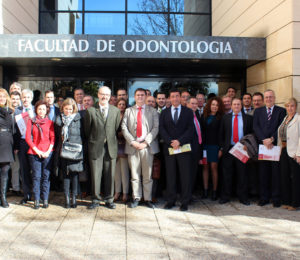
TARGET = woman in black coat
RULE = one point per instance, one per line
(70, 131)
(6, 143)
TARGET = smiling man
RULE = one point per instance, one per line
(176, 128)
(101, 124)
(140, 128)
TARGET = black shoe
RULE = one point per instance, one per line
(184, 207)
(45, 204)
(74, 202)
(93, 205)
(110, 205)
(23, 201)
(169, 205)
(149, 204)
(276, 204)
(214, 196)
(36, 204)
(133, 204)
(245, 202)
(263, 203)
(223, 201)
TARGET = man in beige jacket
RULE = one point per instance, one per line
(140, 129)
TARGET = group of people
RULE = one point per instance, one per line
(168, 142)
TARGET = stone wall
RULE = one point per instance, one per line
(279, 22)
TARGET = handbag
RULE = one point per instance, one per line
(71, 151)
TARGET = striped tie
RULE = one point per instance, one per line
(269, 113)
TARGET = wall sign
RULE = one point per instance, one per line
(117, 46)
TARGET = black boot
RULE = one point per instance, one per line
(74, 202)
(3, 191)
(36, 204)
(205, 194)
(67, 201)
(45, 204)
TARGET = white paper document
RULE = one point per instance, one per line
(268, 154)
(238, 151)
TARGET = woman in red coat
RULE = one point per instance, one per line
(40, 138)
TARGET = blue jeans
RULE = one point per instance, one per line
(41, 168)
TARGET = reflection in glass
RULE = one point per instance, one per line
(192, 6)
(61, 5)
(147, 24)
(61, 23)
(151, 85)
(105, 5)
(148, 5)
(104, 23)
(189, 25)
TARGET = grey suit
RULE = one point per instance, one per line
(140, 161)
(102, 149)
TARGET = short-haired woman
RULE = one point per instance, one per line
(70, 131)
(289, 141)
(40, 138)
(6, 143)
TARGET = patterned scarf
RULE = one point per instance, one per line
(38, 121)
(66, 122)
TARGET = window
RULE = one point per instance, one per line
(126, 17)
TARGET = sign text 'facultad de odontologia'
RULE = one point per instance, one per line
(151, 46)
(118, 46)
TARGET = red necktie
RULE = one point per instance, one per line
(235, 129)
(198, 129)
(139, 123)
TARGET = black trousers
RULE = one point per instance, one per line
(231, 167)
(290, 180)
(25, 169)
(269, 178)
(182, 162)
(68, 178)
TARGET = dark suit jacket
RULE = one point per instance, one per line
(196, 147)
(97, 130)
(183, 131)
(226, 129)
(264, 128)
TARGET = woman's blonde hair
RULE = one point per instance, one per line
(291, 100)
(67, 102)
(8, 100)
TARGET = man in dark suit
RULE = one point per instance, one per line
(22, 147)
(176, 128)
(233, 127)
(101, 124)
(53, 113)
(266, 121)
(197, 150)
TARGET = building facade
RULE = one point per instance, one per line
(251, 66)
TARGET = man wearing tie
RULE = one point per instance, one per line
(176, 128)
(101, 124)
(247, 102)
(266, 121)
(197, 150)
(140, 129)
(22, 146)
(78, 96)
(233, 127)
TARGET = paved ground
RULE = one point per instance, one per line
(207, 231)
